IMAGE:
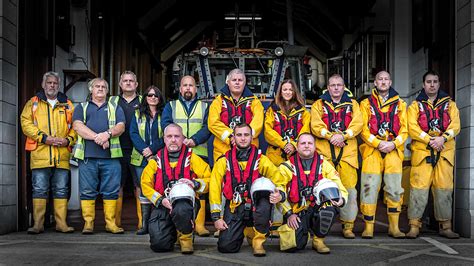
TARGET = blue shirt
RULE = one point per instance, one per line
(97, 120)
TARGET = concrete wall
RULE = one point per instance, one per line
(8, 115)
(464, 200)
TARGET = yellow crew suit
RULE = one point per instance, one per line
(282, 128)
(223, 130)
(429, 167)
(244, 217)
(384, 120)
(327, 119)
(317, 219)
(166, 227)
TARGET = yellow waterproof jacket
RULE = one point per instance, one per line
(323, 133)
(371, 142)
(49, 122)
(420, 139)
(275, 141)
(221, 131)
(265, 167)
(328, 171)
(198, 166)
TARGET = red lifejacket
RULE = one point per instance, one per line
(300, 182)
(337, 122)
(436, 119)
(288, 126)
(232, 115)
(381, 122)
(235, 177)
(165, 175)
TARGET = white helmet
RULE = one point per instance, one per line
(325, 190)
(181, 191)
(261, 184)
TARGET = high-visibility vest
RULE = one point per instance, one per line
(191, 123)
(31, 144)
(115, 149)
(136, 157)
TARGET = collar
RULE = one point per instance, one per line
(243, 155)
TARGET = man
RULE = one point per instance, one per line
(336, 121)
(236, 104)
(433, 122)
(233, 175)
(191, 114)
(175, 163)
(300, 173)
(99, 123)
(384, 133)
(129, 101)
(50, 145)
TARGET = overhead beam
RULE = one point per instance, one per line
(159, 9)
(302, 38)
(185, 38)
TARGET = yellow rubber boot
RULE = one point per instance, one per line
(393, 229)
(319, 246)
(139, 214)
(201, 219)
(257, 243)
(186, 243)
(118, 211)
(39, 209)
(88, 213)
(109, 213)
(445, 230)
(369, 230)
(60, 213)
(415, 225)
(249, 233)
(347, 228)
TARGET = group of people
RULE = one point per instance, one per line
(162, 147)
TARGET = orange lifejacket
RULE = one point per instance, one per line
(337, 121)
(435, 119)
(288, 127)
(231, 115)
(31, 144)
(165, 175)
(380, 122)
(236, 180)
(301, 185)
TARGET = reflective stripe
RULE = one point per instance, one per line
(400, 139)
(450, 132)
(324, 132)
(225, 135)
(155, 197)
(215, 207)
(350, 132)
(137, 158)
(423, 134)
(371, 138)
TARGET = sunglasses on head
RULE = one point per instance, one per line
(153, 95)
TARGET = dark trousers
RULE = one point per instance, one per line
(317, 221)
(163, 224)
(230, 240)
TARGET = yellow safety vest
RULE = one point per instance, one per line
(137, 158)
(191, 123)
(115, 149)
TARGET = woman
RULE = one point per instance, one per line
(147, 137)
(285, 120)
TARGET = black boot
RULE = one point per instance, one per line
(146, 211)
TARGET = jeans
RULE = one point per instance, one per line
(138, 172)
(56, 178)
(99, 176)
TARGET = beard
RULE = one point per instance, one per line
(243, 147)
(188, 96)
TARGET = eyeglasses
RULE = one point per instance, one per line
(153, 95)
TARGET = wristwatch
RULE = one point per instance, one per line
(110, 133)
